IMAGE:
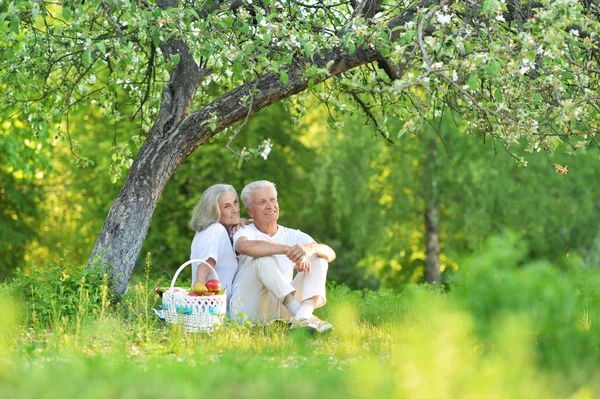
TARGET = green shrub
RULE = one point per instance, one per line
(60, 293)
(559, 306)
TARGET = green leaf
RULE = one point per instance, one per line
(14, 25)
(102, 47)
(473, 82)
(498, 95)
(487, 6)
(245, 29)
(67, 13)
(493, 68)
(156, 39)
(267, 39)
(283, 76)
(86, 58)
(213, 126)
(351, 47)
(175, 58)
(308, 50)
(35, 11)
(237, 67)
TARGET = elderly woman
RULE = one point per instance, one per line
(215, 218)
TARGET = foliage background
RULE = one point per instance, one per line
(337, 180)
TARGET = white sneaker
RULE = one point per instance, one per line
(305, 324)
(321, 325)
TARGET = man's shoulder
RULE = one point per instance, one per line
(289, 230)
(249, 231)
(291, 236)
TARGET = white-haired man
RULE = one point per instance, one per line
(269, 253)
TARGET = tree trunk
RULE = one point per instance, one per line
(432, 213)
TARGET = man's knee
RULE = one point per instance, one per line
(318, 263)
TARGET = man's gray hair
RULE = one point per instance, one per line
(249, 189)
(207, 210)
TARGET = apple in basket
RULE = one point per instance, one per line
(213, 285)
(192, 293)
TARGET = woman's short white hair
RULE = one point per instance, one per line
(249, 189)
(207, 210)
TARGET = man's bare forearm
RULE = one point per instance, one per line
(259, 248)
(322, 251)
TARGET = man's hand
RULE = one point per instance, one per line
(303, 265)
(299, 254)
(298, 251)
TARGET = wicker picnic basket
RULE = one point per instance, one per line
(196, 313)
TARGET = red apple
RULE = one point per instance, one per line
(213, 285)
(192, 293)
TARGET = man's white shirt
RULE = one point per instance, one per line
(284, 235)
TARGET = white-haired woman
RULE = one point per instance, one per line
(215, 218)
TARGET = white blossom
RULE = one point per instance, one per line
(574, 32)
(266, 149)
(444, 19)
(526, 66)
(500, 18)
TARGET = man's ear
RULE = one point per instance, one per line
(249, 212)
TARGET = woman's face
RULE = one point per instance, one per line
(230, 210)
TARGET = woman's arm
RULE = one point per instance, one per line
(203, 271)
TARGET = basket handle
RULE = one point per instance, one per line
(188, 263)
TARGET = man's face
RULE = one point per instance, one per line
(264, 207)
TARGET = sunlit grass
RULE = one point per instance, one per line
(503, 330)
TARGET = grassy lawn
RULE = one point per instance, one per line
(498, 332)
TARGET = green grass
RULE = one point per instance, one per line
(503, 330)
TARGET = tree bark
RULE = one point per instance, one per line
(432, 213)
(175, 135)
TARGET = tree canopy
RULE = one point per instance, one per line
(521, 74)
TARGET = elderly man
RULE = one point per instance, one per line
(269, 253)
